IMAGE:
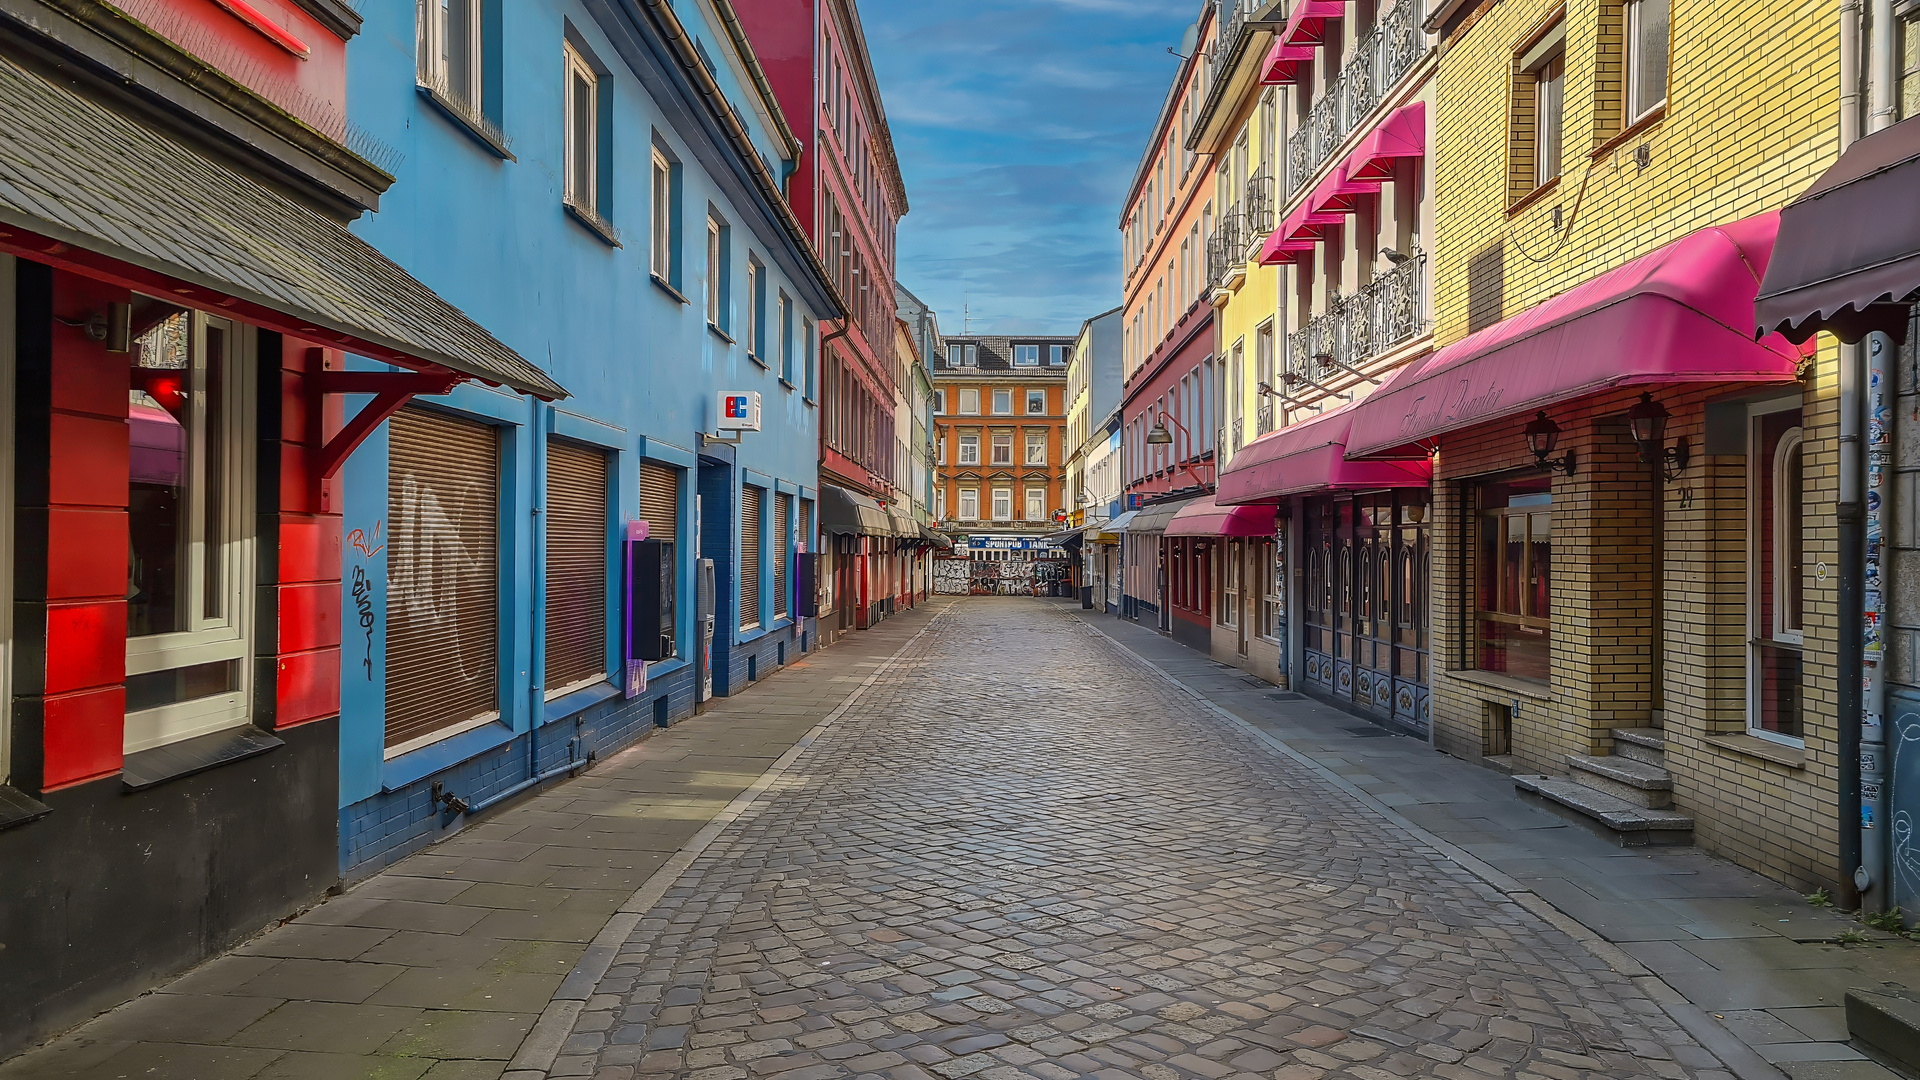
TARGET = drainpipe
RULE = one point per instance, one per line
(1856, 832)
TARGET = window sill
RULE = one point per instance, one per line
(151, 768)
(1532, 197)
(1793, 757)
(593, 222)
(667, 287)
(1630, 132)
(788, 385)
(483, 131)
(579, 700)
(1493, 680)
(755, 357)
(751, 634)
(18, 808)
(721, 334)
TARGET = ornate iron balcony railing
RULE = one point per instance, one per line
(1387, 311)
(1377, 63)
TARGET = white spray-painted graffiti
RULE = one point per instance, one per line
(427, 567)
(952, 577)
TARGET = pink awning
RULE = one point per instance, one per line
(1336, 196)
(1402, 134)
(1297, 233)
(1680, 314)
(1284, 63)
(1203, 517)
(1307, 22)
(1311, 456)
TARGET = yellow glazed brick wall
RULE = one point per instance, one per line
(1751, 120)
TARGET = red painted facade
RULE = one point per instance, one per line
(1191, 414)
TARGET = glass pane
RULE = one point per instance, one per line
(154, 689)
(1792, 569)
(1512, 566)
(1489, 563)
(1539, 567)
(580, 166)
(159, 423)
(1649, 54)
(462, 66)
(214, 476)
(1779, 690)
(1522, 652)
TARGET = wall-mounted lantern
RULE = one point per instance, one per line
(1543, 435)
(1648, 422)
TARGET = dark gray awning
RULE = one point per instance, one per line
(1848, 255)
(79, 174)
(1154, 518)
(843, 511)
(935, 540)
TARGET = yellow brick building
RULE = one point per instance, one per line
(1692, 625)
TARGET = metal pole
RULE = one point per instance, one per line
(1854, 829)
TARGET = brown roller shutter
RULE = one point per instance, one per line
(660, 500)
(576, 564)
(780, 503)
(750, 556)
(443, 554)
(806, 525)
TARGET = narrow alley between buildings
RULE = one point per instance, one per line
(999, 838)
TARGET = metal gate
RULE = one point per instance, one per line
(1365, 626)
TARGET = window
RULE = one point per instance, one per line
(1263, 376)
(1036, 504)
(781, 504)
(665, 223)
(806, 353)
(939, 504)
(1272, 562)
(1002, 402)
(756, 309)
(971, 357)
(443, 577)
(1036, 448)
(953, 356)
(578, 524)
(1514, 583)
(716, 273)
(1537, 101)
(582, 135)
(1776, 574)
(1056, 354)
(1003, 449)
(784, 307)
(969, 504)
(970, 402)
(660, 509)
(451, 52)
(939, 402)
(750, 503)
(1234, 556)
(940, 450)
(1646, 56)
(1907, 59)
(1026, 355)
(1003, 504)
(969, 449)
(1036, 402)
(189, 527)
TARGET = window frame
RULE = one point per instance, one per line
(228, 639)
(581, 192)
(1026, 356)
(1033, 439)
(939, 403)
(1036, 497)
(1031, 395)
(755, 332)
(1636, 110)
(964, 391)
(969, 495)
(1524, 619)
(970, 442)
(718, 241)
(1760, 638)
(783, 325)
(663, 223)
(997, 397)
(1549, 117)
(999, 440)
(1000, 493)
(431, 58)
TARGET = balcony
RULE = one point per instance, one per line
(1387, 311)
(1257, 207)
(1227, 250)
(1378, 62)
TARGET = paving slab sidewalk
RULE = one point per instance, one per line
(1751, 953)
(439, 967)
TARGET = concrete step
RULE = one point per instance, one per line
(1641, 744)
(1888, 1026)
(1631, 824)
(1623, 778)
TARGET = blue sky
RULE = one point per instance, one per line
(1018, 124)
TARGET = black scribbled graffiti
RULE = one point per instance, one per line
(363, 600)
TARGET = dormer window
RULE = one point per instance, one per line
(1026, 355)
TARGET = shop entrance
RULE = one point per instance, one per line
(1365, 607)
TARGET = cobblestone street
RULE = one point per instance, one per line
(970, 873)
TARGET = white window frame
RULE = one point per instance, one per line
(969, 442)
(969, 504)
(1001, 441)
(716, 261)
(1026, 356)
(1272, 603)
(1003, 504)
(939, 403)
(581, 191)
(205, 641)
(1036, 440)
(1042, 396)
(940, 451)
(953, 356)
(971, 356)
(1233, 558)
(783, 326)
(751, 339)
(939, 504)
(1036, 504)
(1790, 439)
(1638, 110)
(1549, 118)
(434, 32)
(1003, 403)
(661, 221)
(969, 401)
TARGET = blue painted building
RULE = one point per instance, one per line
(600, 184)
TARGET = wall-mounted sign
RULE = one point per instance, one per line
(739, 410)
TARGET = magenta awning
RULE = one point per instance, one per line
(1336, 196)
(1298, 232)
(1402, 134)
(1680, 314)
(1307, 22)
(1285, 63)
(1204, 517)
(1311, 456)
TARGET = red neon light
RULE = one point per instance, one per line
(246, 13)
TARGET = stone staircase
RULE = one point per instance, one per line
(1628, 792)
